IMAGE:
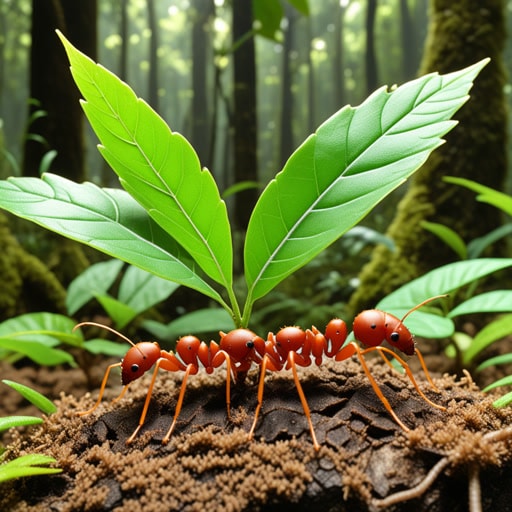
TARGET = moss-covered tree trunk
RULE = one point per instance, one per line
(27, 284)
(460, 34)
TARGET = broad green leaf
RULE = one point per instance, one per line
(445, 279)
(492, 332)
(497, 301)
(33, 396)
(159, 168)
(31, 325)
(202, 320)
(106, 347)
(486, 194)
(450, 237)
(439, 281)
(96, 279)
(18, 421)
(141, 290)
(109, 220)
(341, 172)
(27, 465)
(39, 353)
(121, 313)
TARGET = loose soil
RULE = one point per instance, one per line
(210, 465)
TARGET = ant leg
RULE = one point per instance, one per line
(305, 406)
(146, 404)
(102, 390)
(425, 371)
(360, 354)
(261, 385)
(405, 366)
(165, 440)
(123, 391)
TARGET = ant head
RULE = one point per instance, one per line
(138, 360)
(289, 339)
(399, 336)
(241, 344)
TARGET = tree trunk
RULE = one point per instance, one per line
(27, 284)
(202, 59)
(338, 65)
(286, 146)
(52, 87)
(371, 58)
(153, 56)
(408, 37)
(459, 35)
(245, 118)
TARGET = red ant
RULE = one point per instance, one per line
(292, 346)
(239, 348)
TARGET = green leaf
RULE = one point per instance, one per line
(445, 279)
(505, 381)
(38, 352)
(495, 361)
(477, 246)
(202, 320)
(448, 236)
(341, 172)
(109, 220)
(106, 347)
(121, 313)
(141, 290)
(27, 465)
(486, 194)
(301, 6)
(159, 168)
(33, 396)
(492, 332)
(96, 279)
(18, 421)
(31, 325)
(497, 301)
(268, 15)
(503, 401)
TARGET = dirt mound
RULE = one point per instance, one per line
(209, 464)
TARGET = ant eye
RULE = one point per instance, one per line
(134, 368)
(250, 344)
(394, 336)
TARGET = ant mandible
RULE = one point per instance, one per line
(292, 346)
(238, 348)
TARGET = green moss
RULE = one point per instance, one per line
(27, 284)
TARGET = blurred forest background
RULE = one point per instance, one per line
(246, 86)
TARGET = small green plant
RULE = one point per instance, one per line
(32, 464)
(171, 221)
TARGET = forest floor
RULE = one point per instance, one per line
(457, 460)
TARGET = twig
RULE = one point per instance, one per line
(416, 491)
(475, 494)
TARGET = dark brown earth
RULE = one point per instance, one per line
(209, 464)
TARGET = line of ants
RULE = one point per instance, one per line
(288, 348)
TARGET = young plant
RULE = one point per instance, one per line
(170, 220)
(32, 464)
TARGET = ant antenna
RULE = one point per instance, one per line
(113, 331)
(421, 304)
